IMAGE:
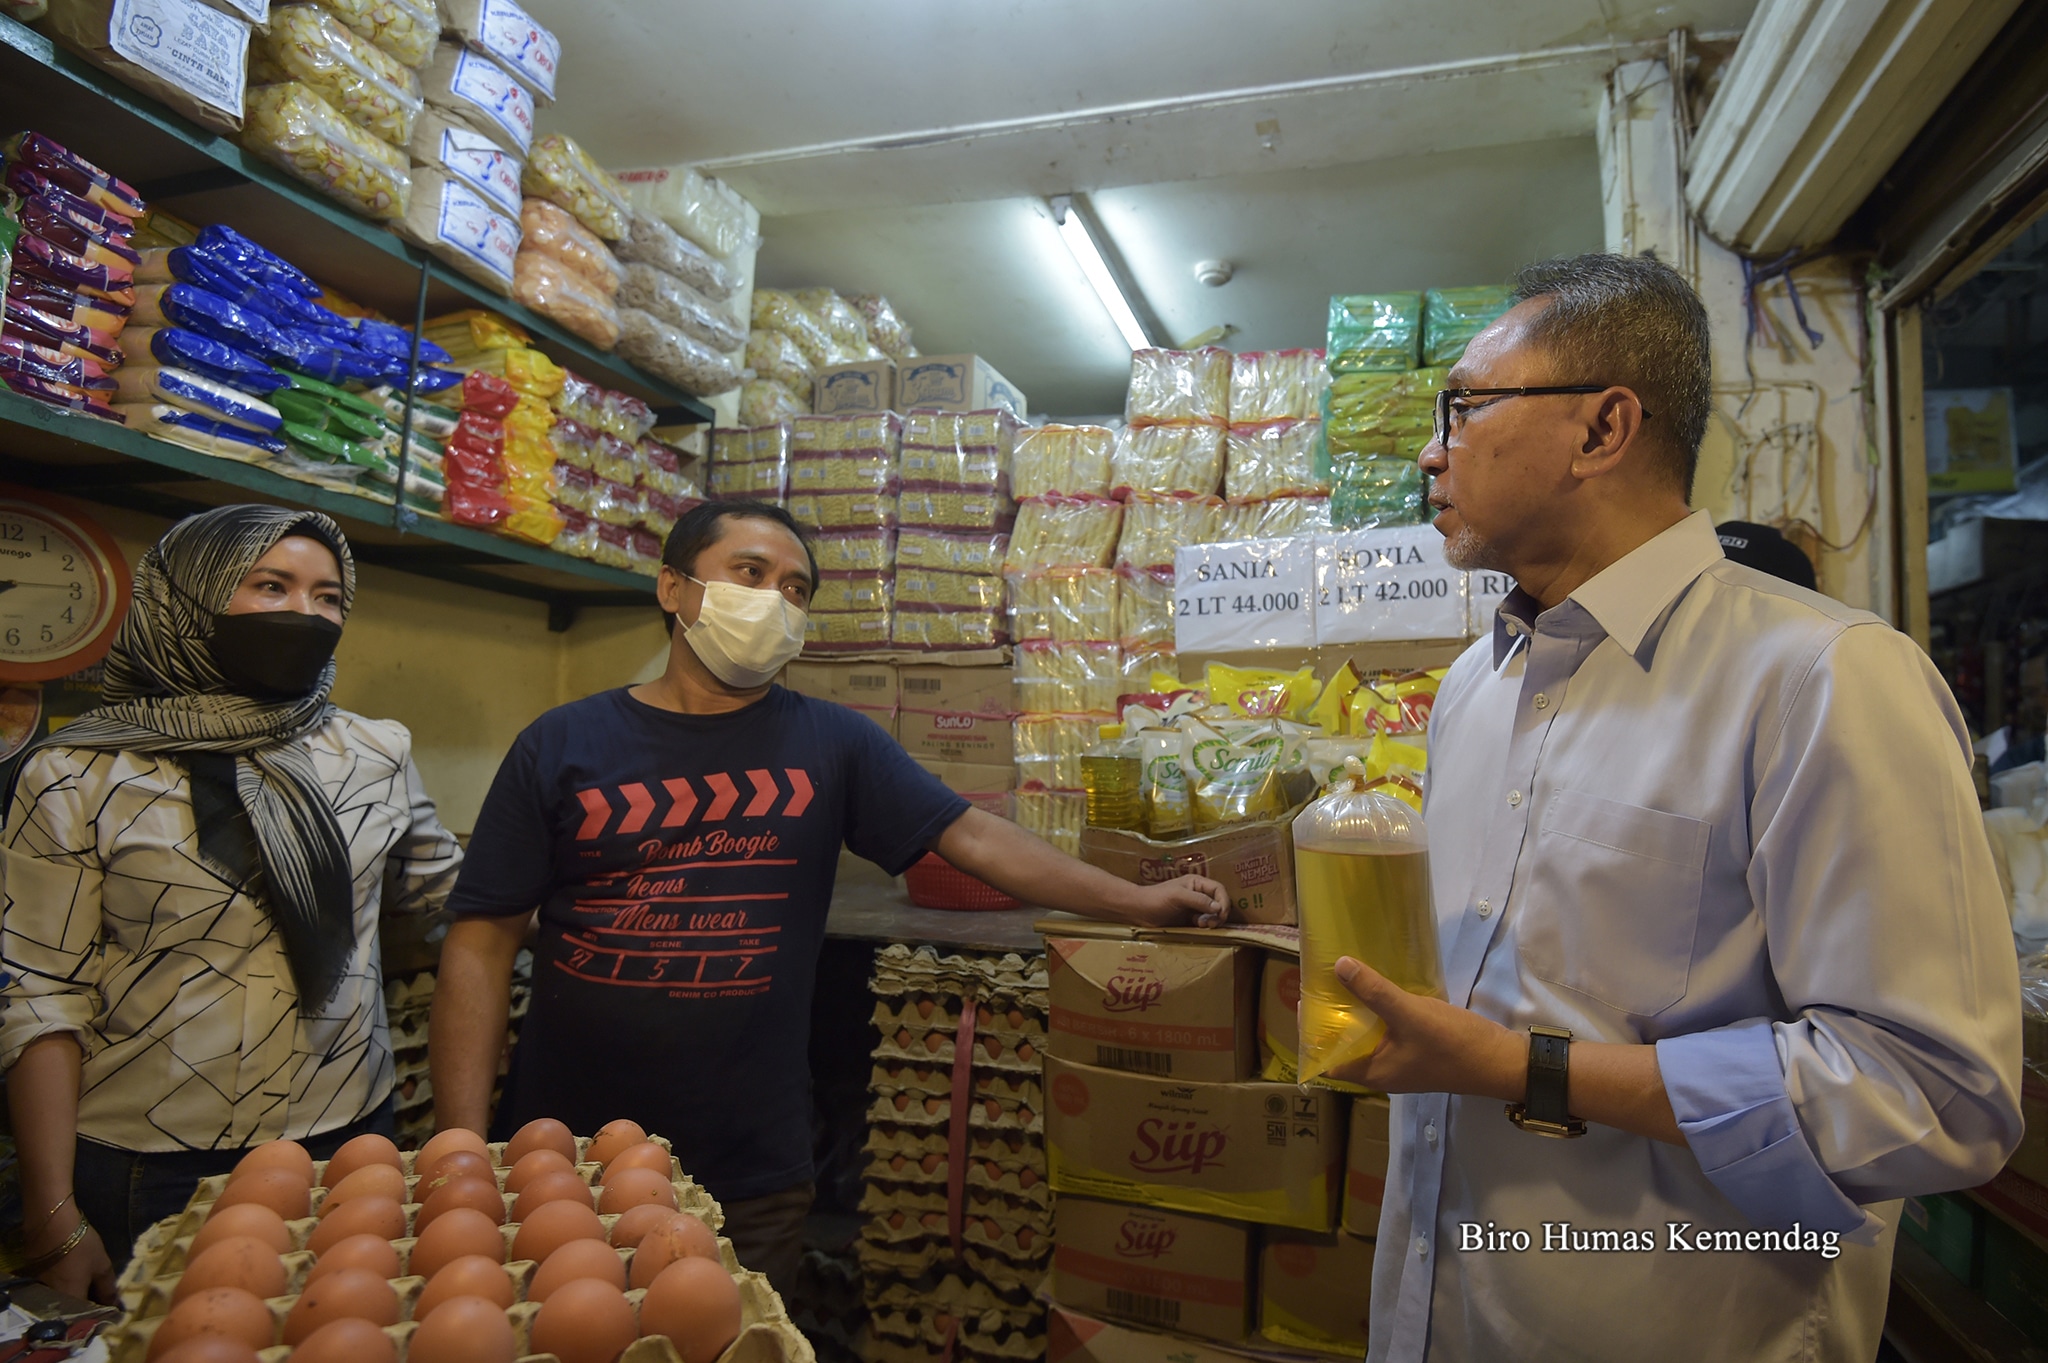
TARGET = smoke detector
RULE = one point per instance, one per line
(1215, 273)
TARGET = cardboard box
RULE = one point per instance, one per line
(1071, 1337)
(1160, 1268)
(955, 383)
(2030, 1161)
(971, 779)
(955, 736)
(1365, 1165)
(867, 686)
(865, 386)
(1279, 1018)
(1272, 1153)
(2015, 1278)
(957, 690)
(1254, 862)
(1315, 1291)
(1173, 1011)
(1950, 1228)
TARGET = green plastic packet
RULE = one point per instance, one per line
(1374, 331)
(318, 443)
(1452, 317)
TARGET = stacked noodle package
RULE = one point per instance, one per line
(749, 464)
(959, 1214)
(1274, 475)
(617, 490)
(842, 485)
(956, 511)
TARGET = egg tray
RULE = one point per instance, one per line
(885, 1195)
(1014, 1024)
(1014, 1244)
(880, 1350)
(996, 1339)
(889, 1078)
(989, 1113)
(938, 1048)
(914, 1259)
(902, 1171)
(1013, 1153)
(958, 1296)
(901, 969)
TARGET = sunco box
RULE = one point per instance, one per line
(957, 736)
(865, 386)
(1254, 862)
(1173, 1011)
(1253, 1152)
(1314, 1291)
(955, 383)
(1160, 1268)
(1365, 1165)
(958, 690)
(1071, 1337)
(1279, 1018)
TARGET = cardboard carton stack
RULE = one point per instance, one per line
(959, 1228)
(1195, 1196)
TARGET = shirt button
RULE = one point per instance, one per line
(1514, 799)
(1429, 1134)
(1486, 908)
(1422, 1247)
(1542, 701)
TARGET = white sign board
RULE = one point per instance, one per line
(1390, 584)
(1487, 590)
(1244, 594)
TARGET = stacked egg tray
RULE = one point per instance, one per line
(408, 1004)
(767, 1334)
(923, 1302)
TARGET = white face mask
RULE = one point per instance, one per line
(745, 634)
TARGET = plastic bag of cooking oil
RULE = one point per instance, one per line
(1233, 779)
(1165, 780)
(1262, 693)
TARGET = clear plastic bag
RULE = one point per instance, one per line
(1073, 605)
(614, 546)
(1064, 532)
(841, 511)
(1275, 519)
(772, 355)
(945, 629)
(1277, 459)
(1374, 332)
(549, 229)
(363, 83)
(1055, 679)
(980, 470)
(663, 295)
(889, 332)
(661, 468)
(943, 510)
(666, 353)
(765, 402)
(949, 553)
(1381, 414)
(1179, 385)
(1144, 610)
(1452, 317)
(556, 291)
(1154, 527)
(748, 482)
(967, 591)
(847, 632)
(561, 172)
(625, 416)
(617, 504)
(1055, 815)
(1165, 460)
(855, 551)
(864, 471)
(1274, 385)
(579, 400)
(851, 592)
(294, 127)
(846, 433)
(841, 321)
(575, 486)
(1071, 461)
(578, 537)
(1050, 747)
(612, 457)
(1375, 491)
(405, 29)
(774, 310)
(994, 429)
(651, 241)
(699, 208)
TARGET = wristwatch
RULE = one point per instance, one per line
(1543, 1111)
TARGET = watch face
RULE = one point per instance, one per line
(55, 592)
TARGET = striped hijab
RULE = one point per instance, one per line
(165, 694)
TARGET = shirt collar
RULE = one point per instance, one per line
(1626, 599)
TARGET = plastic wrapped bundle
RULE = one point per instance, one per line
(849, 471)
(1072, 605)
(925, 628)
(845, 433)
(565, 295)
(699, 208)
(549, 229)
(294, 127)
(953, 510)
(954, 467)
(941, 551)
(617, 504)
(405, 29)
(448, 218)
(1064, 532)
(775, 310)
(1179, 385)
(1055, 815)
(579, 400)
(575, 487)
(747, 482)
(663, 295)
(855, 551)
(838, 592)
(612, 457)
(1165, 460)
(1065, 679)
(1377, 490)
(662, 470)
(1374, 332)
(839, 511)
(763, 402)
(841, 321)
(1069, 461)
(772, 355)
(560, 171)
(1381, 414)
(1452, 317)
(471, 89)
(651, 241)
(509, 35)
(1274, 385)
(889, 332)
(362, 82)
(1144, 608)
(624, 416)
(666, 353)
(207, 435)
(1275, 519)
(847, 632)
(1273, 460)
(1154, 527)
(966, 591)
(1050, 747)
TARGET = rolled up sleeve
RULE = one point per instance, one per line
(50, 928)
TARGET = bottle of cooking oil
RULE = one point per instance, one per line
(1112, 775)
(1361, 875)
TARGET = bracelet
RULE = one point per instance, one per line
(51, 1214)
(38, 1266)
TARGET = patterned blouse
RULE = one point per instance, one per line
(174, 983)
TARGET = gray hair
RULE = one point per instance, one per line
(1634, 322)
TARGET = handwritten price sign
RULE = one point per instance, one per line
(1387, 584)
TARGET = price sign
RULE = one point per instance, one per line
(1387, 584)
(1487, 591)
(1244, 594)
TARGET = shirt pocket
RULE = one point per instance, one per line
(1615, 902)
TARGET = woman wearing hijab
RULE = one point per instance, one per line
(190, 883)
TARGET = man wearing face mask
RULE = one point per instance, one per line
(188, 924)
(680, 840)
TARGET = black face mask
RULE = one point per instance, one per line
(273, 653)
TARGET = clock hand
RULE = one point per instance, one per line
(8, 586)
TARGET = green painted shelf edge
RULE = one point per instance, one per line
(40, 49)
(255, 478)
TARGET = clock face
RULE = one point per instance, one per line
(61, 589)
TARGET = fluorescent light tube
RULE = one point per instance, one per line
(1089, 257)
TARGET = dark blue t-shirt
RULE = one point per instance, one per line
(683, 865)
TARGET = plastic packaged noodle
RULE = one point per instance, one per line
(650, 241)
(105, 321)
(841, 321)
(549, 229)
(1371, 332)
(1274, 519)
(574, 443)
(490, 393)
(923, 627)
(851, 592)
(1277, 459)
(611, 457)
(1071, 605)
(764, 402)
(293, 126)
(578, 537)
(624, 416)
(1144, 610)
(1179, 385)
(204, 434)
(663, 511)
(994, 429)
(616, 504)
(1452, 317)
(472, 504)
(1167, 459)
(46, 259)
(560, 172)
(699, 208)
(104, 223)
(865, 471)
(1055, 815)
(966, 469)
(667, 353)
(1063, 532)
(839, 511)
(1154, 527)
(845, 433)
(889, 332)
(1381, 413)
(1050, 747)
(770, 442)
(230, 248)
(25, 359)
(925, 587)
(661, 468)
(944, 510)
(952, 553)
(1070, 461)
(775, 310)
(55, 224)
(747, 482)
(474, 159)
(556, 291)
(1056, 678)
(149, 383)
(66, 337)
(773, 356)
(1274, 385)
(674, 302)
(507, 32)
(1377, 490)
(71, 172)
(476, 92)
(366, 85)
(846, 632)
(405, 29)
(579, 399)
(855, 551)
(575, 487)
(534, 521)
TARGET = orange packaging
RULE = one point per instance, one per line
(1171, 1010)
(1159, 1268)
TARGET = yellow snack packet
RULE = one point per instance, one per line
(1371, 711)
(1262, 693)
(1328, 711)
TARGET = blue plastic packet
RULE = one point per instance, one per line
(266, 267)
(196, 393)
(312, 352)
(196, 309)
(437, 380)
(189, 265)
(182, 349)
(201, 433)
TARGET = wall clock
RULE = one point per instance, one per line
(64, 586)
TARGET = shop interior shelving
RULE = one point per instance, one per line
(202, 177)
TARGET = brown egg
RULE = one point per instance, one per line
(585, 1321)
(379, 1216)
(366, 1149)
(555, 1187)
(695, 1303)
(630, 1188)
(209, 1349)
(379, 1180)
(542, 1133)
(473, 1275)
(612, 1138)
(577, 1259)
(454, 1138)
(532, 1166)
(239, 1261)
(479, 1194)
(347, 1340)
(553, 1225)
(246, 1219)
(372, 1253)
(453, 1236)
(351, 1294)
(464, 1330)
(287, 1155)
(681, 1237)
(225, 1311)
(281, 1190)
(631, 1228)
(645, 1155)
(451, 1166)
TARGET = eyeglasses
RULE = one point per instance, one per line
(1445, 396)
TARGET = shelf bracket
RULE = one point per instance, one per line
(404, 517)
(561, 613)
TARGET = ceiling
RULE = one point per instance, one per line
(905, 147)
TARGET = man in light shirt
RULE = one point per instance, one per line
(1714, 837)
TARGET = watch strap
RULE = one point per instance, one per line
(1548, 1099)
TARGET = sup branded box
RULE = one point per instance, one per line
(1254, 862)
(1315, 1290)
(1159, 1268)
(1279, 1018)
(1365, 1165)
(1272, 1153)
(1165, 1009)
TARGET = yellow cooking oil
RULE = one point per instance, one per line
(1369, 902)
